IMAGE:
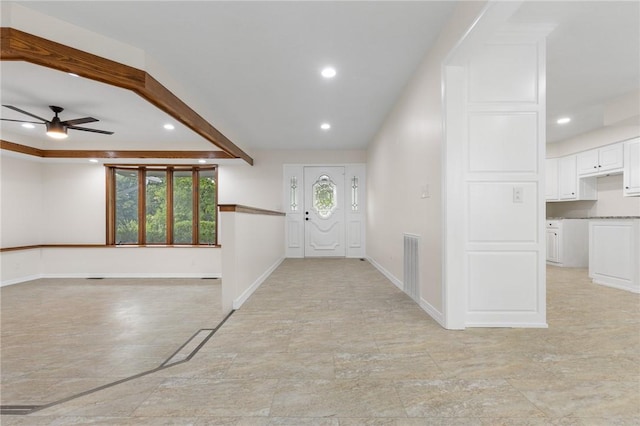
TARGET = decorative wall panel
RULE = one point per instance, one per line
(503, 281)
(504, 73)
(495, 215)
(503, 142)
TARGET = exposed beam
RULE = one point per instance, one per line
(16, 45)
(64, 153)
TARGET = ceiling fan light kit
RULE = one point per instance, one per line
(57, 128)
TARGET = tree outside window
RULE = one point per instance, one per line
(162, 205)
(126, 208)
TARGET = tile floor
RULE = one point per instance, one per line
(332, 342)
(61, 337)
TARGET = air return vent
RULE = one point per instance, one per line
(411, 270)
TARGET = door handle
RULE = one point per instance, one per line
(306, 218)
(306, 212)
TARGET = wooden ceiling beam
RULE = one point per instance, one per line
(112, 154)
(16, 45)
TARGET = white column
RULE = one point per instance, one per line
(494, 164)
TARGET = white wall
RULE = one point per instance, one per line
(260, 185)
(51, 203)
(406, 155)
(119, 262)
(19, 266)
(21, 203)
(64, 203)
(110, 262)
(75, 201)
(253, 246)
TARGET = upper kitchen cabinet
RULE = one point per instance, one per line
(601, 161)
(562, 183)
(631, 176)
(567, 180)
(551, 181)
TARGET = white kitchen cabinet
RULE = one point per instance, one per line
(567, 242)
(551, 179)
(567, 178)
(553, 245)
(614, 250)
(601, 161)
(631, 173)
(570, 188)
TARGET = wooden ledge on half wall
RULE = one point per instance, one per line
(39, 246)
(239, 208)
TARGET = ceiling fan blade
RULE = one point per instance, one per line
(22, 121)
(79, 121)
(25, 112)
(86, 129)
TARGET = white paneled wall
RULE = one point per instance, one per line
(495, 95)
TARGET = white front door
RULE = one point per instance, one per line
(324, 211)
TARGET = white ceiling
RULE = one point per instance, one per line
(136, 124)
(254, 67)
(593, 56)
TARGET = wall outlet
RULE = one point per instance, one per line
(518, 194)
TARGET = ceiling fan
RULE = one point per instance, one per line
(57, 128)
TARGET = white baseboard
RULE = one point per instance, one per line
(134, 275)
(614, 285)
(386, 273)
(239, 301)
(109, 275)
(507, 325)
(433, 312)
(19, 280)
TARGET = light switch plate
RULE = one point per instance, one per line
(517, 194)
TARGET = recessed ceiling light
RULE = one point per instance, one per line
(563, 120)
(328, 72)
(28, 126)
(93, 160)
(201, 161)
(169, 126)
(325, 126)
(72, 74)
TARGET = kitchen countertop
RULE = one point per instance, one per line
(595, 217)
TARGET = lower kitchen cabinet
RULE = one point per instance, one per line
(614, 253)
(553, 245)
(567, 242)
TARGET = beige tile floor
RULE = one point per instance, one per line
(332, 342)
(61, 337)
